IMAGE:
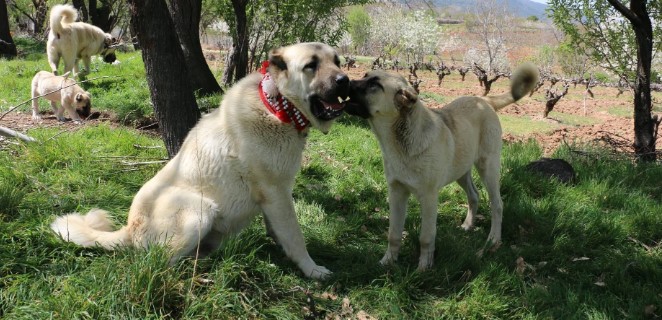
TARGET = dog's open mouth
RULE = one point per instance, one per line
(325, 110)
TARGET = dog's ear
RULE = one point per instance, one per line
(276, 59)
(79, 97)
(405, 98)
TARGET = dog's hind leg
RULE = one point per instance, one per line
(185, 219)
(53, 59)
(469, 188)
(397, 200)
(489, 169)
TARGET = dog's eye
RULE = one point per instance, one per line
(311, 66)
(374, 84)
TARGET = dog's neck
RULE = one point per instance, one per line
(278, 105)
(409, 132)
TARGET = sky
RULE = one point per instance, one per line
(540, 1)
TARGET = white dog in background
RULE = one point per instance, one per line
(72, 41)
(63, 90)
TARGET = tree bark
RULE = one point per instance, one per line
(186, 16)
(645, 126)
(172, 97)
(80, 6)
(101, 17)
(7, 46)
(239, 56)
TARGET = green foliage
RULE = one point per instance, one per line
(276, 23)
(597, 30)
(358, 26)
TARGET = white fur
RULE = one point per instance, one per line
(426, 149)
(236, 162)
(58, 89)
(72, 40)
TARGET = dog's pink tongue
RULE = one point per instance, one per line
(334, 106)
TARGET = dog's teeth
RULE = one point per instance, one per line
(347, 99)
(340, 100)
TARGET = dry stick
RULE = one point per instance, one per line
(11, 133)
(45, 94)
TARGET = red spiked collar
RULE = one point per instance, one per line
(278, 105)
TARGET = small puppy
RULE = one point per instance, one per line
(425, 149)
(63, 90)
(72, 41)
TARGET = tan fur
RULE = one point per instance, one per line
(238, 161)
(73, 41)
(62, 90)
(426, 149)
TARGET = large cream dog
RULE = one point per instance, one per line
(72, 41)
(238, 161)
(425, 149)
(62, 90)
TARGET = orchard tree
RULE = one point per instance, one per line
(490, 21)
(419, 38)
(358, 22)
(257, 26)
(170, 91)
(623, 39)
(34, 10)
(186, 15)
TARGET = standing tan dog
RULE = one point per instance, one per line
(236, 162)
(62, 90)
(426, 149)
(72, 41)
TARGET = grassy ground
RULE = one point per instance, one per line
(590, 250)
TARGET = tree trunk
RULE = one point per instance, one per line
(239, 54)
(101, 17)
(40, 16)
(645, 126)
(186, 16)
(174, 103)
(80, 6)
(7, 46)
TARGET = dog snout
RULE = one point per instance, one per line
(342, 79)
(109, 58)
(342, 85)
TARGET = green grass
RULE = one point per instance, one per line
(592, 250)
(522, 126)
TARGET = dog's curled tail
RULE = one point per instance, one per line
(522, 82)
(61, 16)
(91, 230)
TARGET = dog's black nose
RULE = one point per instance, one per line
(342, 79)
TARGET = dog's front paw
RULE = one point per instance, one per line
(36, 117)
(424, 263)
(319, 273)
(78, 121)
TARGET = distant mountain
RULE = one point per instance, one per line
(522, 8)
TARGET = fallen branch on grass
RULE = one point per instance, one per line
(6, 132)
